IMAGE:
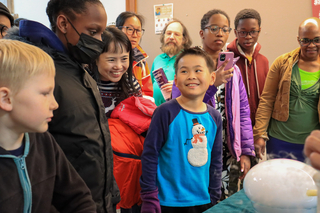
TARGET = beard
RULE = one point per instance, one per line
(171, 49)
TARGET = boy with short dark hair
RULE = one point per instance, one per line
(35, 174)
(182, 156)
(253, 65)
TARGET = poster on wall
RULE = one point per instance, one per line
(315, 8)
(163, 13)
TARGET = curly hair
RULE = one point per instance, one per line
(245, 14)
(207, 16)
(187, 39)
(70, 7)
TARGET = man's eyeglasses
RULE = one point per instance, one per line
(130, 30)
(3, 29)
(215, 29)
(306, 42)
(253, 33)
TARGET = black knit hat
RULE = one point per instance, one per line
(4, 10)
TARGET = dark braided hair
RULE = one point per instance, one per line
(245, 14)
(207, 16)
(69, 7)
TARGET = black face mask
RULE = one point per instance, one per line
(86, 50)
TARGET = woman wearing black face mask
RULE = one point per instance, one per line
(79, 124)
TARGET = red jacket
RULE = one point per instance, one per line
(128, 120)
(253, 75)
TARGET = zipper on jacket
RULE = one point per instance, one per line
(256, 76)
(25, 184)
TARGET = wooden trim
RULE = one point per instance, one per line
(131, 5)
(11, 6)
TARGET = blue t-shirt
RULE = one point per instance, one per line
(183, 156)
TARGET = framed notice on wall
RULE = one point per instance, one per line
(163, 13)
(315, 8)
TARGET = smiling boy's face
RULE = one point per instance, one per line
(193, 77)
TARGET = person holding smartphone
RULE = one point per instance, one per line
(228, 95)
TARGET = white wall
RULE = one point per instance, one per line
(33, 10)
(36, 9)
(114, 8)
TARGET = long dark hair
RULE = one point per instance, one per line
(120, 43)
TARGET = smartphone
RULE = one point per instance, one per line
(162, 79)
(223, 56)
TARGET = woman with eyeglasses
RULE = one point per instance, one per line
(131, 24)
(228, 95)
(289, 108)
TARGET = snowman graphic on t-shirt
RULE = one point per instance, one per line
(198, 154)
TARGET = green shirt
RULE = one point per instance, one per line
(167, 64)
(308, 79)
(303, 112)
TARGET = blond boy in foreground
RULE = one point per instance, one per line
(35, 173)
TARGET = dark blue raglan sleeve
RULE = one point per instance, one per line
(216, 159)
(155, 139)
(212, 90)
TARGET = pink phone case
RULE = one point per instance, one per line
(225, 56)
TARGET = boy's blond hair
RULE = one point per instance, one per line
(20, 61)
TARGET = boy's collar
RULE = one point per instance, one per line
(25, 140)
(241, 51)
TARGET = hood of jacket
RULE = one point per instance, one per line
(36, 34)
(233, 47)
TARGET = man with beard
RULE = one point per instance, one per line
(174, 38)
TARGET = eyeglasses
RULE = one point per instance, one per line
(306, 42)
(130, 30)
(216, 29)
(3, 30)
(253, 33)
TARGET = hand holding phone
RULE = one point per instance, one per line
(223, 56)
(224, 71)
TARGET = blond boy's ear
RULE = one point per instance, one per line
(213, 78)
(5, 99)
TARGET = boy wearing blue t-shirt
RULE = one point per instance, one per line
(182, 157)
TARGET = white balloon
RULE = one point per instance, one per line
(280, 186)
